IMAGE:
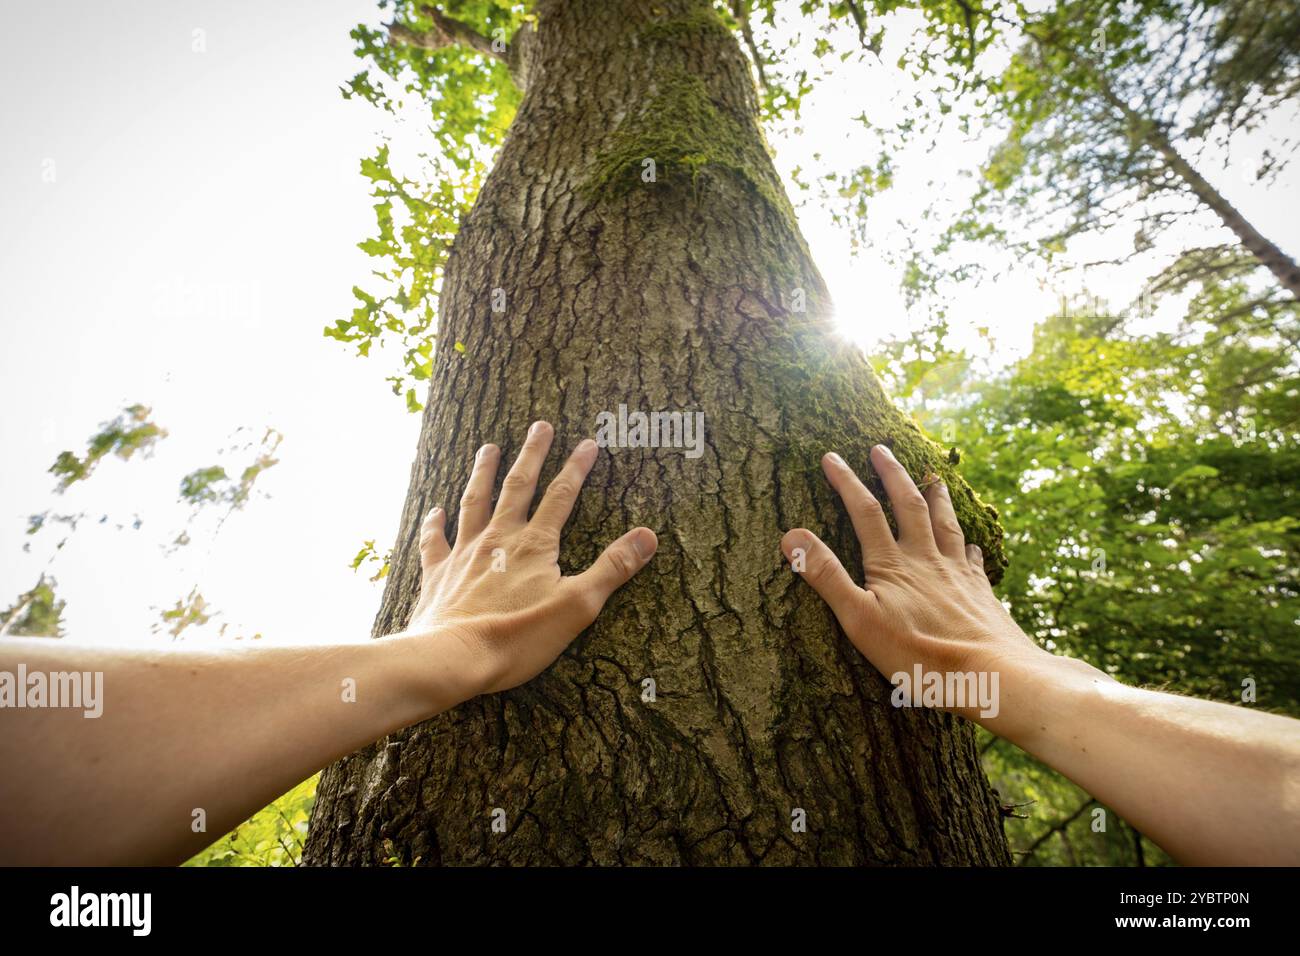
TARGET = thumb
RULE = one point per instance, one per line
(817, 564)
(616, 565)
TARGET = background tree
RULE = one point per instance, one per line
(1117, 113)
(1147, 484)
(633, 245)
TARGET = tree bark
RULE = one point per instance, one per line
(679, 294)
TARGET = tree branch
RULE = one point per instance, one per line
(448, 31)
(1056, 827)
(740, 8)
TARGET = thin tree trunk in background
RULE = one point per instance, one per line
(680, 294)
(1150, 133)
(1272, 258)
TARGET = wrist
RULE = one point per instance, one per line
(437, 670)
(1035, 689)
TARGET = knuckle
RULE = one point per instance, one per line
(947, 526)
(622, 562)
(913, 503)
(820, 568)
(517, 481)
(871, 506)
(563, 487)
(537, 540)
(471, 498)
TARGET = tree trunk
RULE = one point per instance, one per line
(1153, 135)
(1268, 254)
(692, 292)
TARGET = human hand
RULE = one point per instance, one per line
(497, 603)
(927, 600)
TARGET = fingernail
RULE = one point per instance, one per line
(485, 450)
(536, 427)
(795, 542)
(645, 543)
(836, 460)
(884, 450)
(586, 445)
(435, 512)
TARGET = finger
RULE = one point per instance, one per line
(910, 510)
(557, 503)
(476, 502)
(433, 539)
(976, 558)
(863, 508)
(948, 535)
(521, 482)
(615, 567)
(817, 564)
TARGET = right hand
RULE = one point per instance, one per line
(927, 599)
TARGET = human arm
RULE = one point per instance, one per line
(227, 728)
(1208, 782)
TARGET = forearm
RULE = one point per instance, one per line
(222, 730)
(1209, 782)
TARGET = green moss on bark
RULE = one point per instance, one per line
(689, 137)
(700, 21)
(849, 402)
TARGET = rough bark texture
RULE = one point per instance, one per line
(679, 294)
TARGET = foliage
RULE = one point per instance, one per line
(1147, 483)
(369, 556)
(274, 836)
(1108, 108)
(212, 484)
(130, 432)
(37, 613)
(193, 611)
(471, 101)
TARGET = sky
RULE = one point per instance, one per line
(179, 210)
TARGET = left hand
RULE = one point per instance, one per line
(497, 601)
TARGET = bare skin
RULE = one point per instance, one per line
(1210, 783)
(226, 729)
